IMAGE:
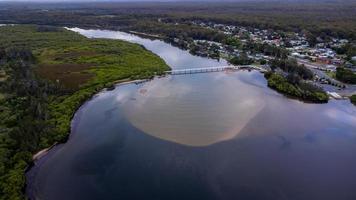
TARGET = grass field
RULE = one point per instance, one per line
(331, 74)
(78, 62)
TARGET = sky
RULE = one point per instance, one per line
(102, 0)
(111, 0)
(157, 0)
(106, 0)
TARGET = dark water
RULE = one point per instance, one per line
(203, 136)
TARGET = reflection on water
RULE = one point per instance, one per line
(174, 57)
(203, 136)
(195, 111)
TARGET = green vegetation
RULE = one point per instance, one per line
(332, 74)
(174, 21)
(232, 41)
(291, 66)
(302, 90)
(317, 18)
(295, 83)
(353, 99)
(345, 75)
(349, 50)
(49, 72)
(265, 49)
(242, 59)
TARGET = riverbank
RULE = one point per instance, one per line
(117, 83)
(152, 36)
(301, 91)
(110, 147)
(68, 69)
(39, 158)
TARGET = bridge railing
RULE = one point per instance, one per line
(212, 69)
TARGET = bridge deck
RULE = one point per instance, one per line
(213, 69)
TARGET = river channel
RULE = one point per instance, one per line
(222, 135)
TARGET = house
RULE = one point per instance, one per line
(323, 59)
(336, 61)
(298, 55)
(330, 67)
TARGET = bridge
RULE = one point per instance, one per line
(215, 69)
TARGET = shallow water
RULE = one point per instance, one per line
(203, 136)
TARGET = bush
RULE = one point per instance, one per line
(243, 59)
(353, 99)
(345, 75)
(303, 91)
(291, 66)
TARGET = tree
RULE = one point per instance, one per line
(242, 59)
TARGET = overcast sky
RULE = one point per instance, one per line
(106, 0)
(165, 0)
(77, 0)
(111, 0)
(115, 0)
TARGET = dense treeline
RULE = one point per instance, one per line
(174, 21)
(181, 31)
(345, 75)
(187, 33)
(242, 59)
(292, 68)
(349, 50)
(266, 49)
(316, 18)
(37, 103)
(23, 119)
(293, 81)
(300, 90)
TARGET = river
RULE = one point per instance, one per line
(222, 135)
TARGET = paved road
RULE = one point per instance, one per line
(315, 67)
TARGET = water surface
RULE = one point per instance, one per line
(176, 58)
(202, 136)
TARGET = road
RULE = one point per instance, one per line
(316, 68)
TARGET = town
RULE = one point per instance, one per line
(322, 57)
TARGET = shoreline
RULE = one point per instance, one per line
(43, 152)
(40, 157)
(146, 35)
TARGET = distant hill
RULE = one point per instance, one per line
(126, 1)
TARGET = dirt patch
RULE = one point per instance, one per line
(73, 55)
(71, 76)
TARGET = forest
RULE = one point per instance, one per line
(301, 90)
(317, 18)
(46, 73)
(294, 81)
